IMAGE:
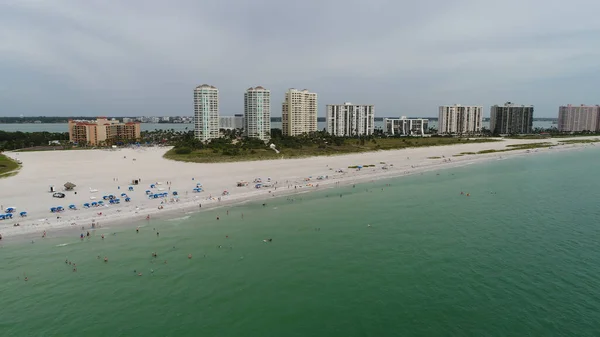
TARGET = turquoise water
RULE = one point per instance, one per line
(518, 257)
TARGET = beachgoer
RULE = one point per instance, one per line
(105, 259)
(102, 236)
(157, 233)
(137, 230)
(189, 256)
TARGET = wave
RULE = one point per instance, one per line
(63, 244)
(180, 218)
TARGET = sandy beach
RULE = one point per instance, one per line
(98, 173)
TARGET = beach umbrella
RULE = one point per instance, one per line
(23, 213)
(127, 199)
(123, 194)
(69, 185)
(8, 215)
(198, 185)
(2, 217)
(86, 205)
(52, 209)
(105, 197)
(175, 193)
(60, 208)
(148, 192)
(131, 188)
(10, 209)
(152, 186)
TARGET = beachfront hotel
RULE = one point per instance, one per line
(460, 119)
(257, 113)
(347, 120)
(206, 112)
(102, 131)
(299, 112)
(404, 126)
(511, 119)
(578, 118)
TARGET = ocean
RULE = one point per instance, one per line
(409, 256)
(63, 127)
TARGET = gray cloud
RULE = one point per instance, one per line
(145, 57)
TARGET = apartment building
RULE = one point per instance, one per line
(511, 119)
(348, 120)
(579, 118)
(404, 126)
(231, 122)
(459, 119)
(299, 112)
(206, 112)
(102, 131)
(257, 113)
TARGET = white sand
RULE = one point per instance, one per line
(29, 189)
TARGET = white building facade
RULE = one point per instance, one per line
(459, 119)
(577, 118)
(348, 120)
(231, 122)
(299, 112)
(206, 112)
(404, 126)
(257, 113)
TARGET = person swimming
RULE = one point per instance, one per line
(105, 259)
(189, 256)
(137, 230)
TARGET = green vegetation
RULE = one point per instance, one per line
(434, 157)
(22, 140)
(233, 147)
(514, 147)
(8, 167)
(580, 141)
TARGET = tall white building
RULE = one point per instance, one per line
(206, 112)
(458, 119)
(347, 120)
(257, 113)
(577, 118)
(406, 126)
(299, 112)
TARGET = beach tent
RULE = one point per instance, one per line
(10, 209)
(69, 186)
(72, 206)
(53, 209)
(23, 214)
(8, 215)
(86, 205)
(2, 217)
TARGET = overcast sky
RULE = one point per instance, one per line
(130, 57)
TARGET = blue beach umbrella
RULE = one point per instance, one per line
(23, 213)
(127, 199)
(86, 205)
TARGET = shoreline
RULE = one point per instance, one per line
(135, 213)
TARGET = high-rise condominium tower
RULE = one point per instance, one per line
(206, 112)
(347, 120)
(299, 112)
(257, 113)
(459, 119)
(511, 119)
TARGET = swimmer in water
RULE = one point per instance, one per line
(137, 230)
(105, 259)
(189, 256)
(102, 236)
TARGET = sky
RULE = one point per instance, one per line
(144, 58)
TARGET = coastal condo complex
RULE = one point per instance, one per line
(257, 113)
(579, 118)
(347, 120)
(102, 131)
(511, 119)
(206, 112)
(231, 122)
(299, 112)
(459, 119)
(406, 126)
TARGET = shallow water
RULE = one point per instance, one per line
(517, 257)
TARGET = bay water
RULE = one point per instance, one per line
(409, 256)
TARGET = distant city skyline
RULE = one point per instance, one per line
(130, 58)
